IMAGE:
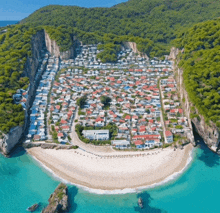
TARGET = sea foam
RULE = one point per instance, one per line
(120, 191)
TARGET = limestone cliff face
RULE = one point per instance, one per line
(133, 46)
(10, 140)
(39, 42)
(54, 49)
(209, 133)
(32, 64)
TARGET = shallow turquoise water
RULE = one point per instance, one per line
(23, 182)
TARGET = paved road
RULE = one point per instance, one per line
(84, 146)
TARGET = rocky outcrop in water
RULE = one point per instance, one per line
(58, 201)
(209, 133)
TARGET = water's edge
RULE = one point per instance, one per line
(170, 178)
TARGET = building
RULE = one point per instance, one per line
(96, 134)
(120, 144)
(169, 136)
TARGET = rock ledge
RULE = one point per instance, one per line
(58, 201)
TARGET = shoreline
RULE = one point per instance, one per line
(113, 179)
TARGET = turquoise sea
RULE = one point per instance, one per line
(24, 182)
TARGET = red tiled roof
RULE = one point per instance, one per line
(65, 127)
(60, 134)
(138, 142)
(99, 119)
(58, 107)
(168, 133)
(63, 122)
(146, 137)
(151, 121)
(127, 117)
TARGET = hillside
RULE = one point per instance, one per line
(157, 20)
(200, 62)
(15, 47)
(152, 24)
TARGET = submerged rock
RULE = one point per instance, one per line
(58, 201)
(33, 207)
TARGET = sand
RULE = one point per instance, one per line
(117, 170)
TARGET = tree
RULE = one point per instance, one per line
(105, 100)
(81, 101)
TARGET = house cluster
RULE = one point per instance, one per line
(175, 121)
(21, 95)
(87, 57)
(134, 107)
(37, 130)
(62, 106)
(134, 104)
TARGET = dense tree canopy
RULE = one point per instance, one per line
(158, 21)
(105, 100)
(81, 101)
(152, 24)
(201, 64)
(15, 47)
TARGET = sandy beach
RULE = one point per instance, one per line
(117, 170)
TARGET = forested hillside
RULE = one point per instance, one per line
(159, 21)
(201, 64)
(152, 24)
(15, 47)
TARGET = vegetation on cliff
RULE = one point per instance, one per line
(58, 201)
(152, 24)
(158, 21)
(15, 47)
(200, 62)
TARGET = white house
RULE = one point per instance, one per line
(120, 144)
(96, 134)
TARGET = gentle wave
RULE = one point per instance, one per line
(120, 191)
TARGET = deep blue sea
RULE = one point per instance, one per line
(5, 23)
(24, 182)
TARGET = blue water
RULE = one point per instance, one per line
(23, 182)
(5, 23)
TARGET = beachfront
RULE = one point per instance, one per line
(114, 170)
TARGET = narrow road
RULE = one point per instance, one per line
(87, 147)
(161, 113)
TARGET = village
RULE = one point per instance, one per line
(176, 124)
(117, 104)
(37, 128)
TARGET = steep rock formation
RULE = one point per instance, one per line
(133, 46)
(10, 140)
(40, 41)
(58, 201)
(54, 49)
(209, 133)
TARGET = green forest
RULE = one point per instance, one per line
(152, 23)
(201, 64)
(15, 47)
(155, 25)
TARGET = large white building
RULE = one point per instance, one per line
(96, 134)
